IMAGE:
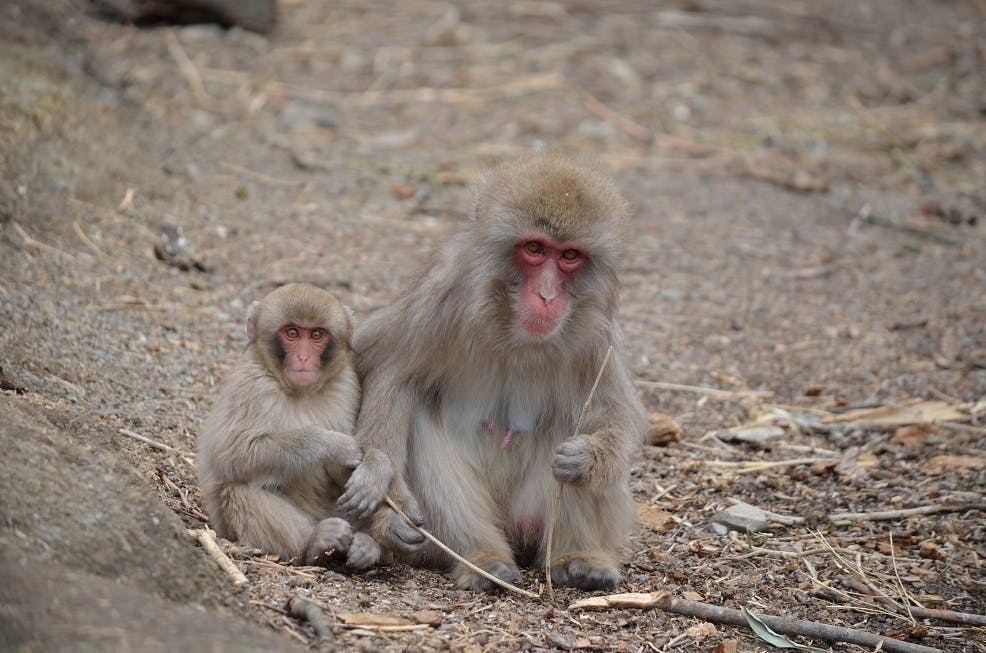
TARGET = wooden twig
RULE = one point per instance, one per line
(629, 127)
(37, 243)
(559, 487)
(749, 466)
(301, 608)
(187, 67)
(207, 538)
(964, 618)
(728, 616)
(715, 393)
(261, 177)
(441, 545)
(86, 241)
(153, 443)
(884, 515)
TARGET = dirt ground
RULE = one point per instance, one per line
(808, 256)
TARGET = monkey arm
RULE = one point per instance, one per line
(611, 435)
(383, 428)
(260, 455)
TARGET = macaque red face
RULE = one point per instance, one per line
(304, 348)
(547, 266)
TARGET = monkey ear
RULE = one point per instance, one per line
(252, 314)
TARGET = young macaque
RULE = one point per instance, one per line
(474, 379)
(276, 450)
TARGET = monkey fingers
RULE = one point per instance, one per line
(573, 461)
(367, 485)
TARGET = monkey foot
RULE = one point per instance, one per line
(466, 578)
(332, 535)
(363, 552)
(581, 574)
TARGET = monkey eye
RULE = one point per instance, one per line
(291, 333)
(534, 247)
(318, 335)
(570, 254)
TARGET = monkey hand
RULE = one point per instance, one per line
(367, 485)
(574, 461)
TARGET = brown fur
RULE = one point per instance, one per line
(449, 355)
(273, 458)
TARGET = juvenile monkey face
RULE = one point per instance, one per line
(303, 351)
(547, 267)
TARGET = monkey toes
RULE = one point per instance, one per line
(583, 575)
(364, 552)
(331, 535)
(468, 579)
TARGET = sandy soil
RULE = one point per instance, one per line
(808, 182)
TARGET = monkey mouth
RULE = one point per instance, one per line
(301, 376)
(540, 327)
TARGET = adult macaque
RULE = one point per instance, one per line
(276, 449)
(474, 379)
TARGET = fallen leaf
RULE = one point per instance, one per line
(759, 436)
(726, 646)
(662, 430)
(430, 617)
(940, 464)
(913, 412)
(913, 435)
(655, 518)
(930, 550)
(402, 191)
(628, 600)
(701, 630)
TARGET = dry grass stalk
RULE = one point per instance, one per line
(559, 487)
(441, 545)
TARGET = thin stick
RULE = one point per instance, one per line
(208, 541)
(884, 515)
(301, 608)
(715, 393)
(86, 241)
(153, 443)
(37, 243)
(187, 67)
(559, 487)
(626, 125)
(749, 466)
(388, 629)
(720, 615)
(441, 545)
(966, 618)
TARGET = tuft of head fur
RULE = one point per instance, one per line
(563, 197)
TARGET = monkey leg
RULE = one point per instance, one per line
(266, 520)
(458, 510)
(590, 528)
